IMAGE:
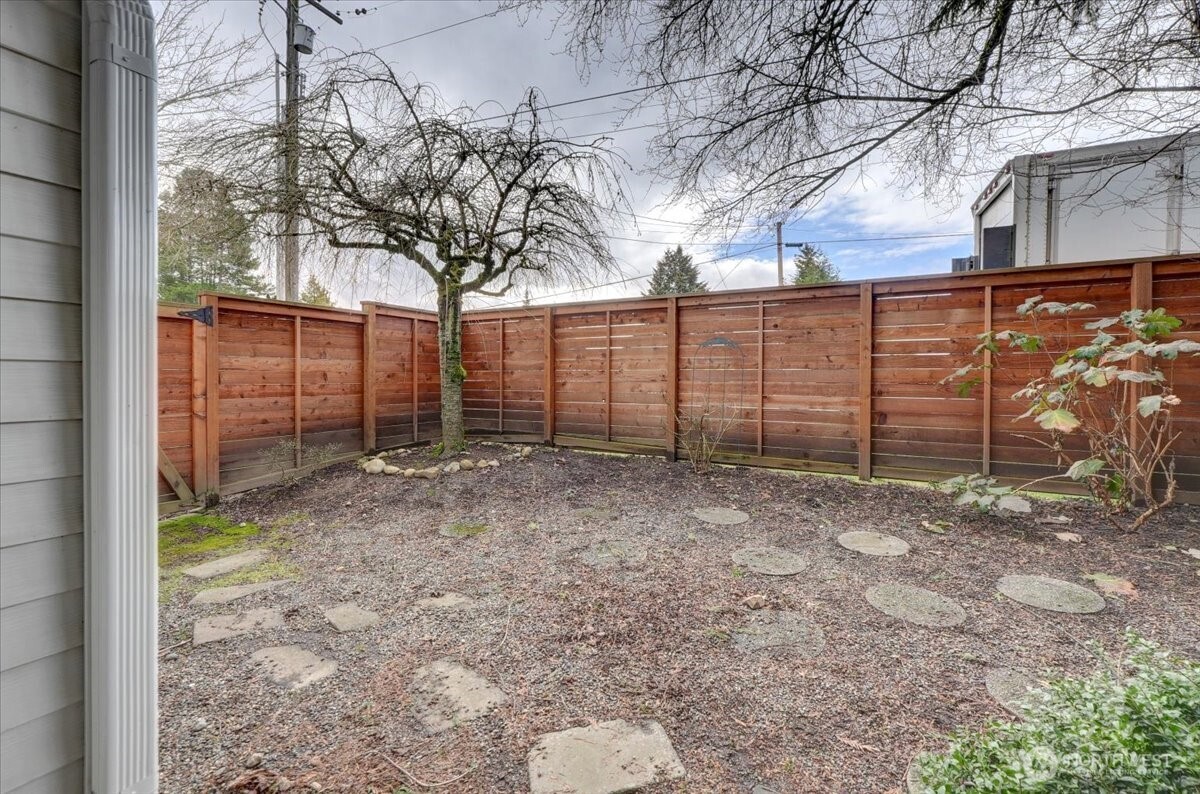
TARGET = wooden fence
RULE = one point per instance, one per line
(839, 378)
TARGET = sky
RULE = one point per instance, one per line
(497, 56)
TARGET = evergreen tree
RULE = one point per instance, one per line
(204, 242)
(813, 267)
(674, 274)
(315, 293)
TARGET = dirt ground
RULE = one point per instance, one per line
(572, 645)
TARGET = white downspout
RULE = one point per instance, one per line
(120, 400)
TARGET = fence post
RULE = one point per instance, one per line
(761, 335)
(608, 376)
(212, 399)
(501, 376)
(200, 408)
(296, 392)
(866, 334)
(1141, 296)
(548, 375)
(369, 396)
(415, 369)
(672, 374)
(987, 384)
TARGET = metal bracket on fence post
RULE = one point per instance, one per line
(202, 315)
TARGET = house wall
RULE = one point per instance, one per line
(41, 456)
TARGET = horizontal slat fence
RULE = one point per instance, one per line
(839, 378)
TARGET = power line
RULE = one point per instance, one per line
(439, 30)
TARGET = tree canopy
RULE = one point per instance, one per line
(769, 104)
(315, 293)
(813, 266)
(204, 242)
(675, 274)
(478, 204)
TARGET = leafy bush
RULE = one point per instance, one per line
(1132, 726)
(1112, 391)
(984, 494)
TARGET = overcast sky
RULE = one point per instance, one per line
(499, 57)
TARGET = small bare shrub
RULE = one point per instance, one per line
(283, 456)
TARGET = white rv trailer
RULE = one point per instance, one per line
(1114, 201)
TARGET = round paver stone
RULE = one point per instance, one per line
(1055, 595)
(721, 516)
(614, 554)
(1009, 688)
(916, 605)
(779, 630)
(875, 544)
(770, 561)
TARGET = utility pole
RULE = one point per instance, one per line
(779, 250)
(287, 276)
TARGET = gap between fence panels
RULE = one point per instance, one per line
(839, 377)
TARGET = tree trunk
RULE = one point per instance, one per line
(453, 374)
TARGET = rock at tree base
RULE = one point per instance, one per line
(222, 627)
(721, 516)
(374, 466)
(1009, 688)
(446, 694)
(391, 469)
(875, 544)
(293, 667)
(770, 561)
(915, 605)
(223, 595)
(605, 758)
(351, 617)
(233, 562)
(614, 554)
(779, 631)
(1054, 595)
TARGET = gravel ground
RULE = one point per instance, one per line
(572, 645)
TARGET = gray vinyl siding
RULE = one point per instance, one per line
(41, 402)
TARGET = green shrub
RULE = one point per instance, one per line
(1132, 726)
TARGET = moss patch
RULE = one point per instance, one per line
(463, 529)
(196, 535)
(267, 571)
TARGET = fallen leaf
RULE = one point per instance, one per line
(1113, 585)
(857, 745)
(938, 527)
(1052, 520)
(1069, 537)
(1193, 553)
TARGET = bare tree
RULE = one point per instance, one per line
(769, 104)
(200, 75)
(480, 209)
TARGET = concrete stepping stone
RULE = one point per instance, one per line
(605, 758)
(772, 629)
(351, 617)
(446, 694)
(446, 601)
(916, 605)
(222, 627)
(770, 561)
(721, 516)
(596, 514)
(1055, 595)
(293, 667)
(1009, 688)
(224, 565)
(875, 544)
(223, 595)
(614, 554)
